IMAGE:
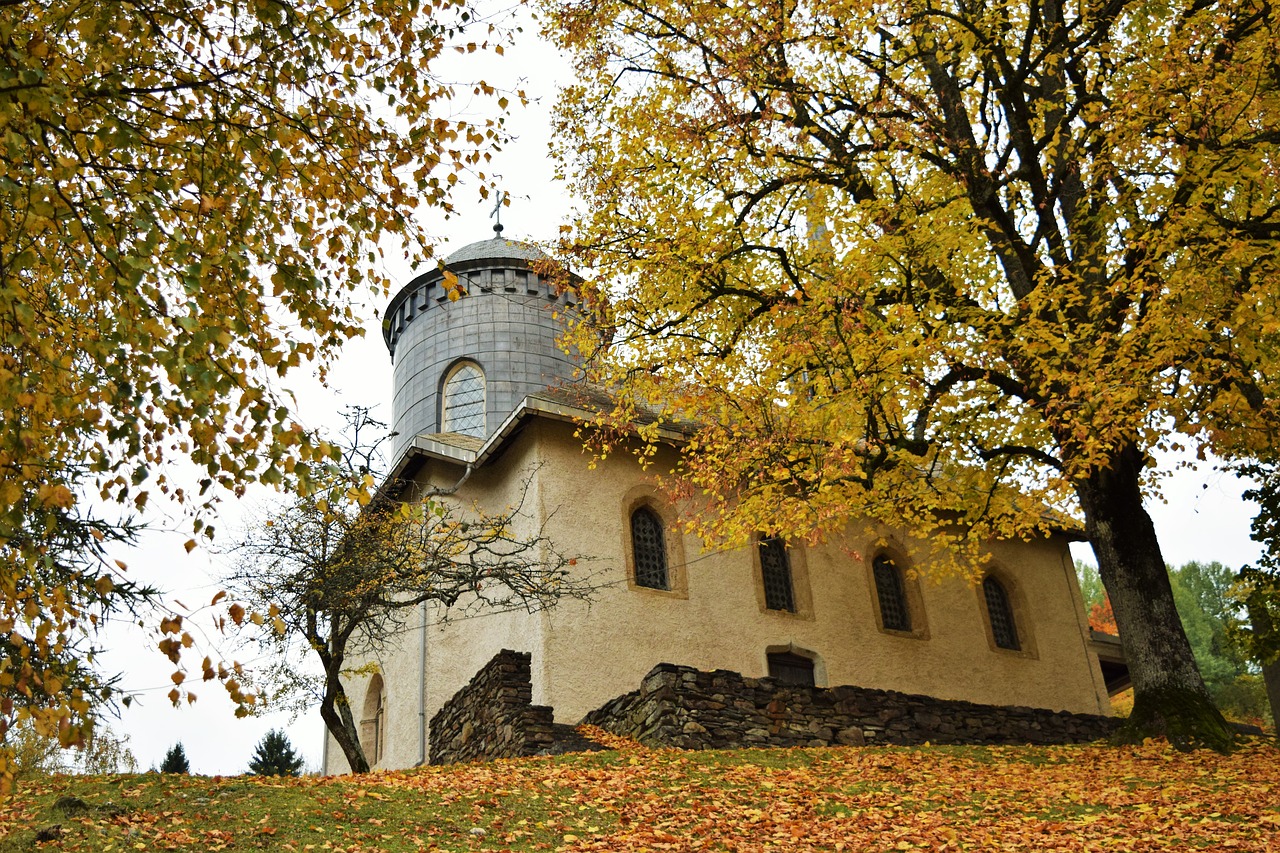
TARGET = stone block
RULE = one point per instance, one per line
(655, 680)
(852, 736)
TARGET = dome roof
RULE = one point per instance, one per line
(496, 248)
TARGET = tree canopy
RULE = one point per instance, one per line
(175, 760)
(1260, 583)
(940, 264)
(274, 756)
(194, 202)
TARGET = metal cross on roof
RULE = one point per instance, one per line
(496, 215)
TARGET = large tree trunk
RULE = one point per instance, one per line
(1169, 696)
(1270, 671)
(1271, 680)
(335, 710)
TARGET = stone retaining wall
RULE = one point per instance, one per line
(684, 707)
(493, 716)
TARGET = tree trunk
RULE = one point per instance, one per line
(335, 710)
(1169, 696)
(1270, 671)
(1271, 680)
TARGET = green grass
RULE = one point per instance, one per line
(966, 798)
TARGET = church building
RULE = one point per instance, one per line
(484, 404)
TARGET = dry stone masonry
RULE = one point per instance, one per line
(678, 706)
(493, 716)
(684, 707)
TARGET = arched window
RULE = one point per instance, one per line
(649, 549)
(373, 725)
(775, 572)
(652, 547)
(895, 615)
(462, 405)
(1004, 630)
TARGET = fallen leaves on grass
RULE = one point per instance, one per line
(1083, 798)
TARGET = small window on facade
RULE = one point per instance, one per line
(649, 549)
(791, 669)
(1003, 629)
(775, 571)
(894, 613)
(463, 407)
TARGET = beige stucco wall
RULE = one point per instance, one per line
(459, 642)
(597, 652)
(585, 654)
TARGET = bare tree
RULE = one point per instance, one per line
(337, 573)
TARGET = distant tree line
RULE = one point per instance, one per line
(1211, 604)
(273, 756)
(108, 753)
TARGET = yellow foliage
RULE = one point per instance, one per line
(960, 268)
(189, 207)
(875, 276)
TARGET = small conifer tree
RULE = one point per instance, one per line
(175, 760)
(274, 756)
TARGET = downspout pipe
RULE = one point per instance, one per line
(422, 692)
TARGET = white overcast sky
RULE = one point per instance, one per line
(1203, 519)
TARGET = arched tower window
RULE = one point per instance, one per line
(649, 549)
(1004, 630)
(895, 615)
(462, 400)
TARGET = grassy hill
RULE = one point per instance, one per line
(882, 798)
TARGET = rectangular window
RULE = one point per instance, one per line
(791, 669)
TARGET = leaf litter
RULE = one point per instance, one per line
(1077, 798)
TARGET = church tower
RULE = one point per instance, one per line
(462, 366)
